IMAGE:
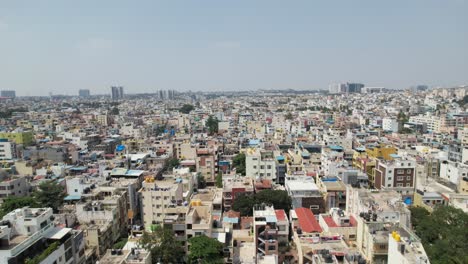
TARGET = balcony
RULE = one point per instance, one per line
(30, 240)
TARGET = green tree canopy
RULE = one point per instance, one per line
(443, 233)
(239, 163)
(278, 198)
(172, 163)
(163, 245)
(186, 108)
(50, 194)
(115, 111)
(219, 180)
(11, 203)
(201, 181)
(204, 249)
(244, 204)
(212, 125)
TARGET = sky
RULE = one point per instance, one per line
(62, 46)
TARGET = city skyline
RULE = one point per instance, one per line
(57, 47)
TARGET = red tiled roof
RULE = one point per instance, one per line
(329, 221)
(307, 220)
(280, 215)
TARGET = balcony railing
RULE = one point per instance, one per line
(30, 240)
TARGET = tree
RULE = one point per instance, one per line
(204, 249)
(288, 116)
(219, 180)
(212, 125)
(244, 204)
(186, 108)
(239, 163)
(50, 194)
(201, 181)
(443, 233)
(172, 163)
(11, 203)
(417, 215)
(115, 111)
(278, 198)
(163, 245)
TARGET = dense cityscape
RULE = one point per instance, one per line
(355, 174)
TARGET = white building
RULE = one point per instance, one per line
(260, 164)
(7, 150)
(28, 232)
(390, 124)
(405, 248)
(453, 171)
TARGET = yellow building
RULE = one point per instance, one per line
(381, 152)
(24, 138)
(365, 163)
(463, 185)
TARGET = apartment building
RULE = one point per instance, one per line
(206, 163)
(390, 124)
(126, 256)
(7, 149)
(260, 164)
(405, 247)
(160, 198)
(453, 172)
(26, 233)
(377, 214)
(305, 193)
(271, 230)
(103, 218)
(13, 186)
(19, 137)
(398, 174)
(233, 187)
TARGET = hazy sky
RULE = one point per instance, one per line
(64, 45)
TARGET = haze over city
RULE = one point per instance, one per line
(61, 46)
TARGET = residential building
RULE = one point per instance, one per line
(8, 93)
(7, 149)
(28, 232)
(117, 92)
(260, 164)
(271, 230)
(84, 93)
(406, 248)
(305, 193)
(398, 174)
(14, 186)
(25, 138)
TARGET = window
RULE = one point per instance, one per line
(314, 207)
(400, 178)
(262, 167)
(408, 178)
(389, 185)
(76, 190)
(400, 171)
(408, 185)
(399, 184)
(408, 171)
(254, 167)
(389, 178)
